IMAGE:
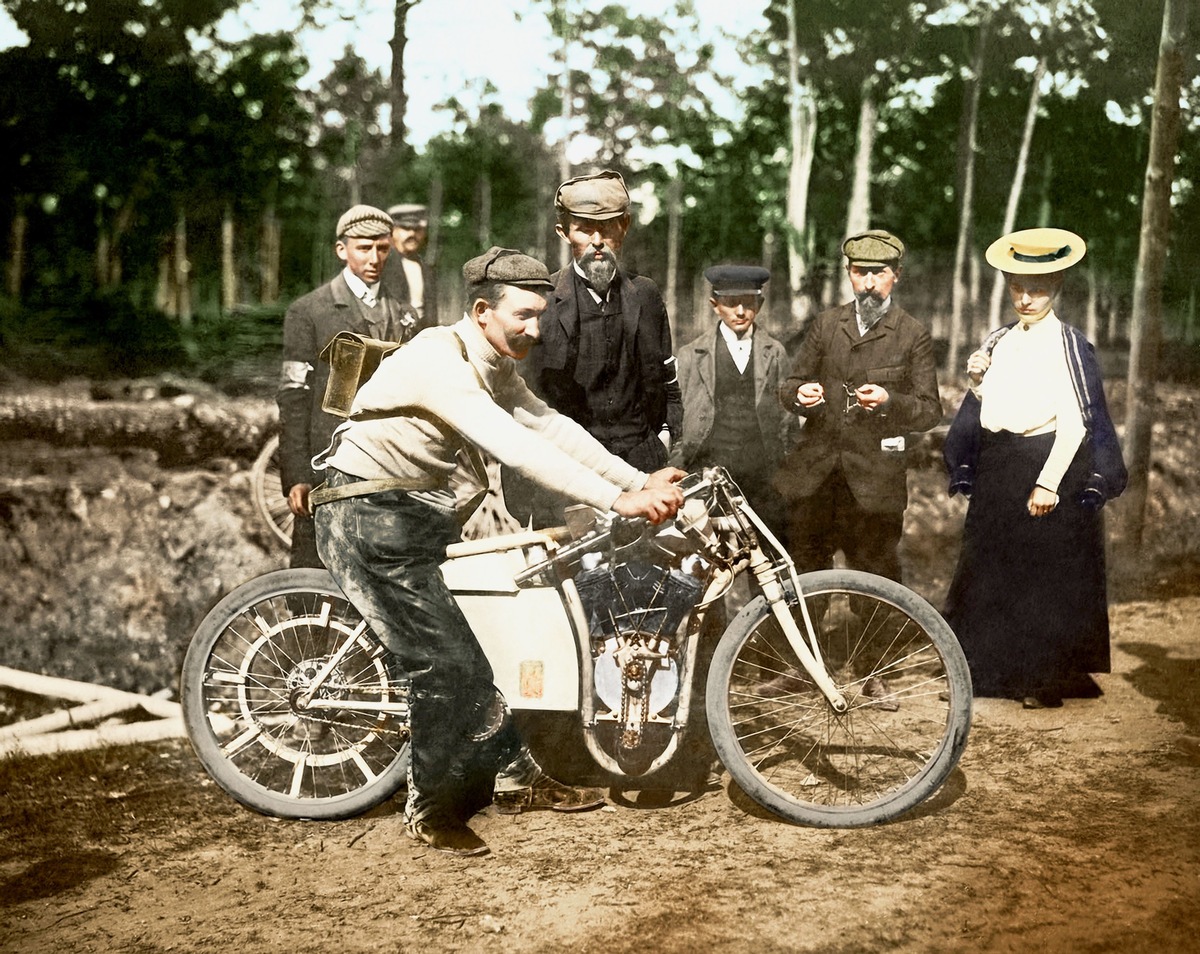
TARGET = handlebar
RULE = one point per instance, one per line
(693, 485)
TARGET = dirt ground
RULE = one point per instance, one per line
(1073, 829)
(1076, 829)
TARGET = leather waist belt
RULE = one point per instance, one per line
(360, 488)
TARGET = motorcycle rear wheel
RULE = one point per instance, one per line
(902, 672)
(244, 676)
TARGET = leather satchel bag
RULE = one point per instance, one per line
(352, 359)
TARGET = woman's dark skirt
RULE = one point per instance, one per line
(1028, 600)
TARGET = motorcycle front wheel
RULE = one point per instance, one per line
(256, 728)
(901, 670)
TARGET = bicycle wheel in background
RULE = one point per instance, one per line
(244, 679)
(902, 672)
(267, 488)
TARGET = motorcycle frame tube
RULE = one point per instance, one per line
(767, 574)
(587, 675)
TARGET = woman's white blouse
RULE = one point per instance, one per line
(1027, 390)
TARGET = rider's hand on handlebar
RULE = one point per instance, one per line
(656, 504)
(665, 477)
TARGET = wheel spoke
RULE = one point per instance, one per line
(901, 672)
(254, 680)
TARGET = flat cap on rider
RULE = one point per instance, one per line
(364, 221)
(507, 266)
(874, 248)
(599, 196)
(737, 280)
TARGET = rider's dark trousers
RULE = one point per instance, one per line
(385, 551)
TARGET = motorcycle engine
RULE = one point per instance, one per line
(635, 609)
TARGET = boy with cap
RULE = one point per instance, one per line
(354, 300)
(605, 358)
(864, 377)
(407, 277)
(388, 512)
(729, 378)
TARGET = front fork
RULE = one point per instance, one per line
(808, 652)
(804, 644)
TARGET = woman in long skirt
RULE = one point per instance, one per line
(1034, 448)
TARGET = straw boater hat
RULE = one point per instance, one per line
(1036, 251)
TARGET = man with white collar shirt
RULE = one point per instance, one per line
(354, 300)
(407, 276)
(864, 378)
(729, 379)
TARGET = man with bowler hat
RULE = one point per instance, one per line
(730, 377)
(388, 511)
(407, 277)
(354, 300)
(605, 357)
(864, 379)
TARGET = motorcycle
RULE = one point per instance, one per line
(833, 699)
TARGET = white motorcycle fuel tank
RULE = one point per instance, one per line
(525, 632)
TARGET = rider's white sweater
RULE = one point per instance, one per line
(406, 422)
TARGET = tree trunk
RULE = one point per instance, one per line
(564, 92)
(674, 215)
(1092, 324)
(228, 268)
(15, 273)
(803, 117)
(1014, 194)
(397, 97)
(268, 257)
(181, 266)
(968, 150)
(858, 213)
(100, 270)
(484, 218)
(1145, 332)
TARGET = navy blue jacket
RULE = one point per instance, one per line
(1108, 478)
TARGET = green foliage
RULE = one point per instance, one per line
(239, 352)
(123, 116)
(97, 335)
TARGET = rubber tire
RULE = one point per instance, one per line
(267, 491)
(903, 798)
(279, 584)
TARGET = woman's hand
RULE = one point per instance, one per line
(1042, 501)
(977, 365)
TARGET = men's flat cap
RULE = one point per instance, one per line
(364, 221)
(737, 279)
(874, 247)
(1035, 251)
(507, 266)
(409, 214)
(599, 196)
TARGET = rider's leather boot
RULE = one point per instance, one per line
(446, 834)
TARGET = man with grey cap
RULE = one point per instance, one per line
(864, 378)
(605, 357)
(407, 277)
(389, 510)
(354, 300)
(730, 377)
